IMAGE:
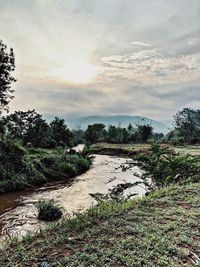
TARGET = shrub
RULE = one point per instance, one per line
(16, 173)
(69, 169)
(82, 164)
(48, 210)
(163, 166)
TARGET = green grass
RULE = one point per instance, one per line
(34, 167)
(192, 150)
(157, 230)
(128, 147)
(137, 148)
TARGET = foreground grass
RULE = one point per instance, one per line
(157, 230)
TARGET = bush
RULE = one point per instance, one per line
(69, 169)
(48, 210)
(163, 166)
(16, 173)
(21, 168)
(82, 164)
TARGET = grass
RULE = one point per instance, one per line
(128, 147)
(116, 149)
(132, 149)
(22, 168)
(48, 210)
(192, 150)
(157, 230)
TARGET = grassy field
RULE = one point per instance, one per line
(192, 150)
(128, 147)
(131, 148)
(158, 230)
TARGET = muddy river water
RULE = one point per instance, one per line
(18, 214)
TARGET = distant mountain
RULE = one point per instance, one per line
(117, 120)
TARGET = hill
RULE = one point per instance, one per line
(117, 120)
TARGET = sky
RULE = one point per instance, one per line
(104, 57)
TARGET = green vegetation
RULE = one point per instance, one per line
(157, 230)
(132, 149)
(21, 167)
(186, 127)
(7, 66)
(164, 166)
(48, 210)
(141, 133)
(191, 150)
(33, 131)
(127, 147)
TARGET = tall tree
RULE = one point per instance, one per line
(95, 133)
(117, 134)
(29, 126)
(7, 66)
(187, 124)
(60, 132)
(144, 132)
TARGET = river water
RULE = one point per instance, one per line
(18, 214)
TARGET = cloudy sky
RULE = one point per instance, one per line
(93, 57)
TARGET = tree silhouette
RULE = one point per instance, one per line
(7, 65)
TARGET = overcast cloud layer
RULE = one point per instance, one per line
(146, 55)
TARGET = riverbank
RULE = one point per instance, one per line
(24, 168)
(121, 150)
(157, 230)
(132, 150)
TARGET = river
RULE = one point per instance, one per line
(18, 214)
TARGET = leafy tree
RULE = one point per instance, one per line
(7, 65)
(95, 133)
(29, 126)
(124, 135)
(60, 132)
(158, 137)
(112, 134)
(131, 133)
(78, 135)
(187, 125)
(174, 137)
(39, 134)
(144, 132)
(117, 134)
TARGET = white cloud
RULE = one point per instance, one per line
(153, 67)
(141, 44)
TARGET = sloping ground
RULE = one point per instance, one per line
(157, 230)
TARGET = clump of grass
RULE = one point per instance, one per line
(48, 210)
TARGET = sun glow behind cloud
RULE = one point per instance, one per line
(77, 71)
(121, 57)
